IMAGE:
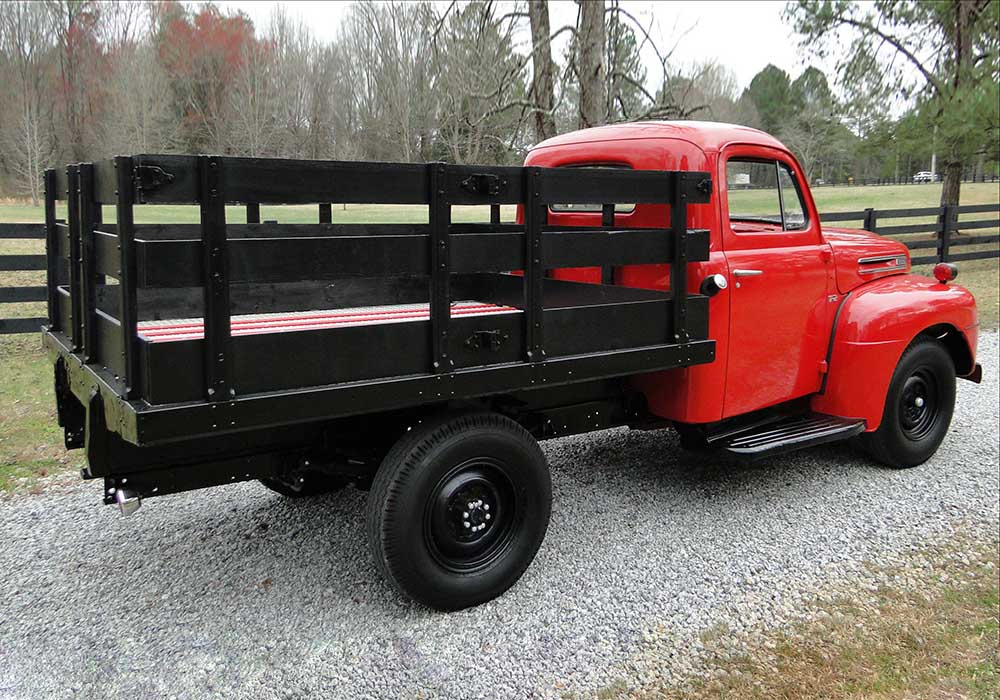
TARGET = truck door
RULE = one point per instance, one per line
(780, 277)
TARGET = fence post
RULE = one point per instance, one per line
(946, 217)
(871, 220)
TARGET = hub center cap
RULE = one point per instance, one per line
(476, 515)
(918, 404)
(469, 520)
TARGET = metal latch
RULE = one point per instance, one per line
(149, 177)
(486, 340)
(485, 184)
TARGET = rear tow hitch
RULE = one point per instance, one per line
(128, 501)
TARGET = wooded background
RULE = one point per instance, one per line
(480, 82)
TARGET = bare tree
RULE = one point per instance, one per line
(74, 24)
(137, 115)
(249, 125)
(25, 39)
(391, 90)
(542, 70)
(590, 63)
(480, 84)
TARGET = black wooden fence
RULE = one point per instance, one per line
(20, 263)
(949, 230)
(901, 180)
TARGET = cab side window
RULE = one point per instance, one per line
(752, 188)
(763, 195)
(792, 208)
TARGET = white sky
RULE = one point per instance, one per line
(744, 36)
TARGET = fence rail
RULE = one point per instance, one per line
(901, 180)
(948, 232)
(21, 263)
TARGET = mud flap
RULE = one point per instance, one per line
(975, 376)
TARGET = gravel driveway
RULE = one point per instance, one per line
(238, 593)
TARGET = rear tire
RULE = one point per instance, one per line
(458, 509)
(918, 407)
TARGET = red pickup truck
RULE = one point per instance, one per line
(657, 275)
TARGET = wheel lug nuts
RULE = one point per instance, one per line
(466, 523)
(486, 507)
(465, 514)
(487, 516)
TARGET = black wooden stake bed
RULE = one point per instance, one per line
(175, 369)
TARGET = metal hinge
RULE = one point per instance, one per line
(149, 177)
(486, 340)
(485, 184)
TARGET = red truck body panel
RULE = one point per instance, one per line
(774, 324)
(877, 322)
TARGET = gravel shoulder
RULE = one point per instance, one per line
(238, 593)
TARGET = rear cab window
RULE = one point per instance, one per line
(597, 207)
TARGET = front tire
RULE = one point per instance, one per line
(918, 407)
(458, 509)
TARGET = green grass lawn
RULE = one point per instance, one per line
(291, 214)
(828, 199)
(937, 640)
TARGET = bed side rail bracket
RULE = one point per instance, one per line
(148, 178)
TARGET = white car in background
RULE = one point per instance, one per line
(926, 176)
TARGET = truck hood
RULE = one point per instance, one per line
(861, 256)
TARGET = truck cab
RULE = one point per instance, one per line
(811, 319)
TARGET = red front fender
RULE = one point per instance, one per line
(875, 324)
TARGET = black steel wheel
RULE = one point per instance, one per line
(918, 407)
(459, 508)
(304, 484)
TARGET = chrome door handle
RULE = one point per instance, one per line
(748, 273)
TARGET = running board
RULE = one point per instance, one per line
(786, 435)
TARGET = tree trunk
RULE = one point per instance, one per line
(542, 70)
(951, 188)
(590, 63)
(962, 40)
